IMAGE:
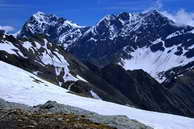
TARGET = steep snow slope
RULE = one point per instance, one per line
(157, 62)
(42, 53)
(17, 85)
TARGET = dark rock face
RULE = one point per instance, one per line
(181, 83)
(145, 92)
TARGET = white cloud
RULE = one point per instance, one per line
(158, 4)
(181, 17)
(7, 28)
(5, 4)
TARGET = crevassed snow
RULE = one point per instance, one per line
(155, 62)
(17, 85)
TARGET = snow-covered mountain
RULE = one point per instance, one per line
(26, 88)
(59, 30)
(149, 41)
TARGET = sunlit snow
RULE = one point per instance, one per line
(17, 85)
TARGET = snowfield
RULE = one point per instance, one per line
(153, 62)
(17, 85)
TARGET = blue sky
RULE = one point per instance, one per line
(84, 12)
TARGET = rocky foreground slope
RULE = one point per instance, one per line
(52, 115)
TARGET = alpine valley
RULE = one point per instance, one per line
(140, 65)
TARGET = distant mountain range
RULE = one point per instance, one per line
(144, 60)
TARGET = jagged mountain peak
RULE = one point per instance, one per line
(153, 12)
(39, 13)
(127, 16)
(43, 17)
(113, 26)
(57, 29)
(61, 30)
(108, 17)
(52, 20)
(157, 16)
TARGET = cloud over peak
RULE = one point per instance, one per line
(181, 17)
(7, 28)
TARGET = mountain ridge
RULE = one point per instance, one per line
(121, 38)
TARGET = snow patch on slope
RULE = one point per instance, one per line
(95, 95)
(155, 62)
(175, 34)
(9, 48)
(24, 87)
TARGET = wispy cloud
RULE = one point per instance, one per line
(7, 28)
(10, 6)
(5, 4)
(181, 17)
(158, 4)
